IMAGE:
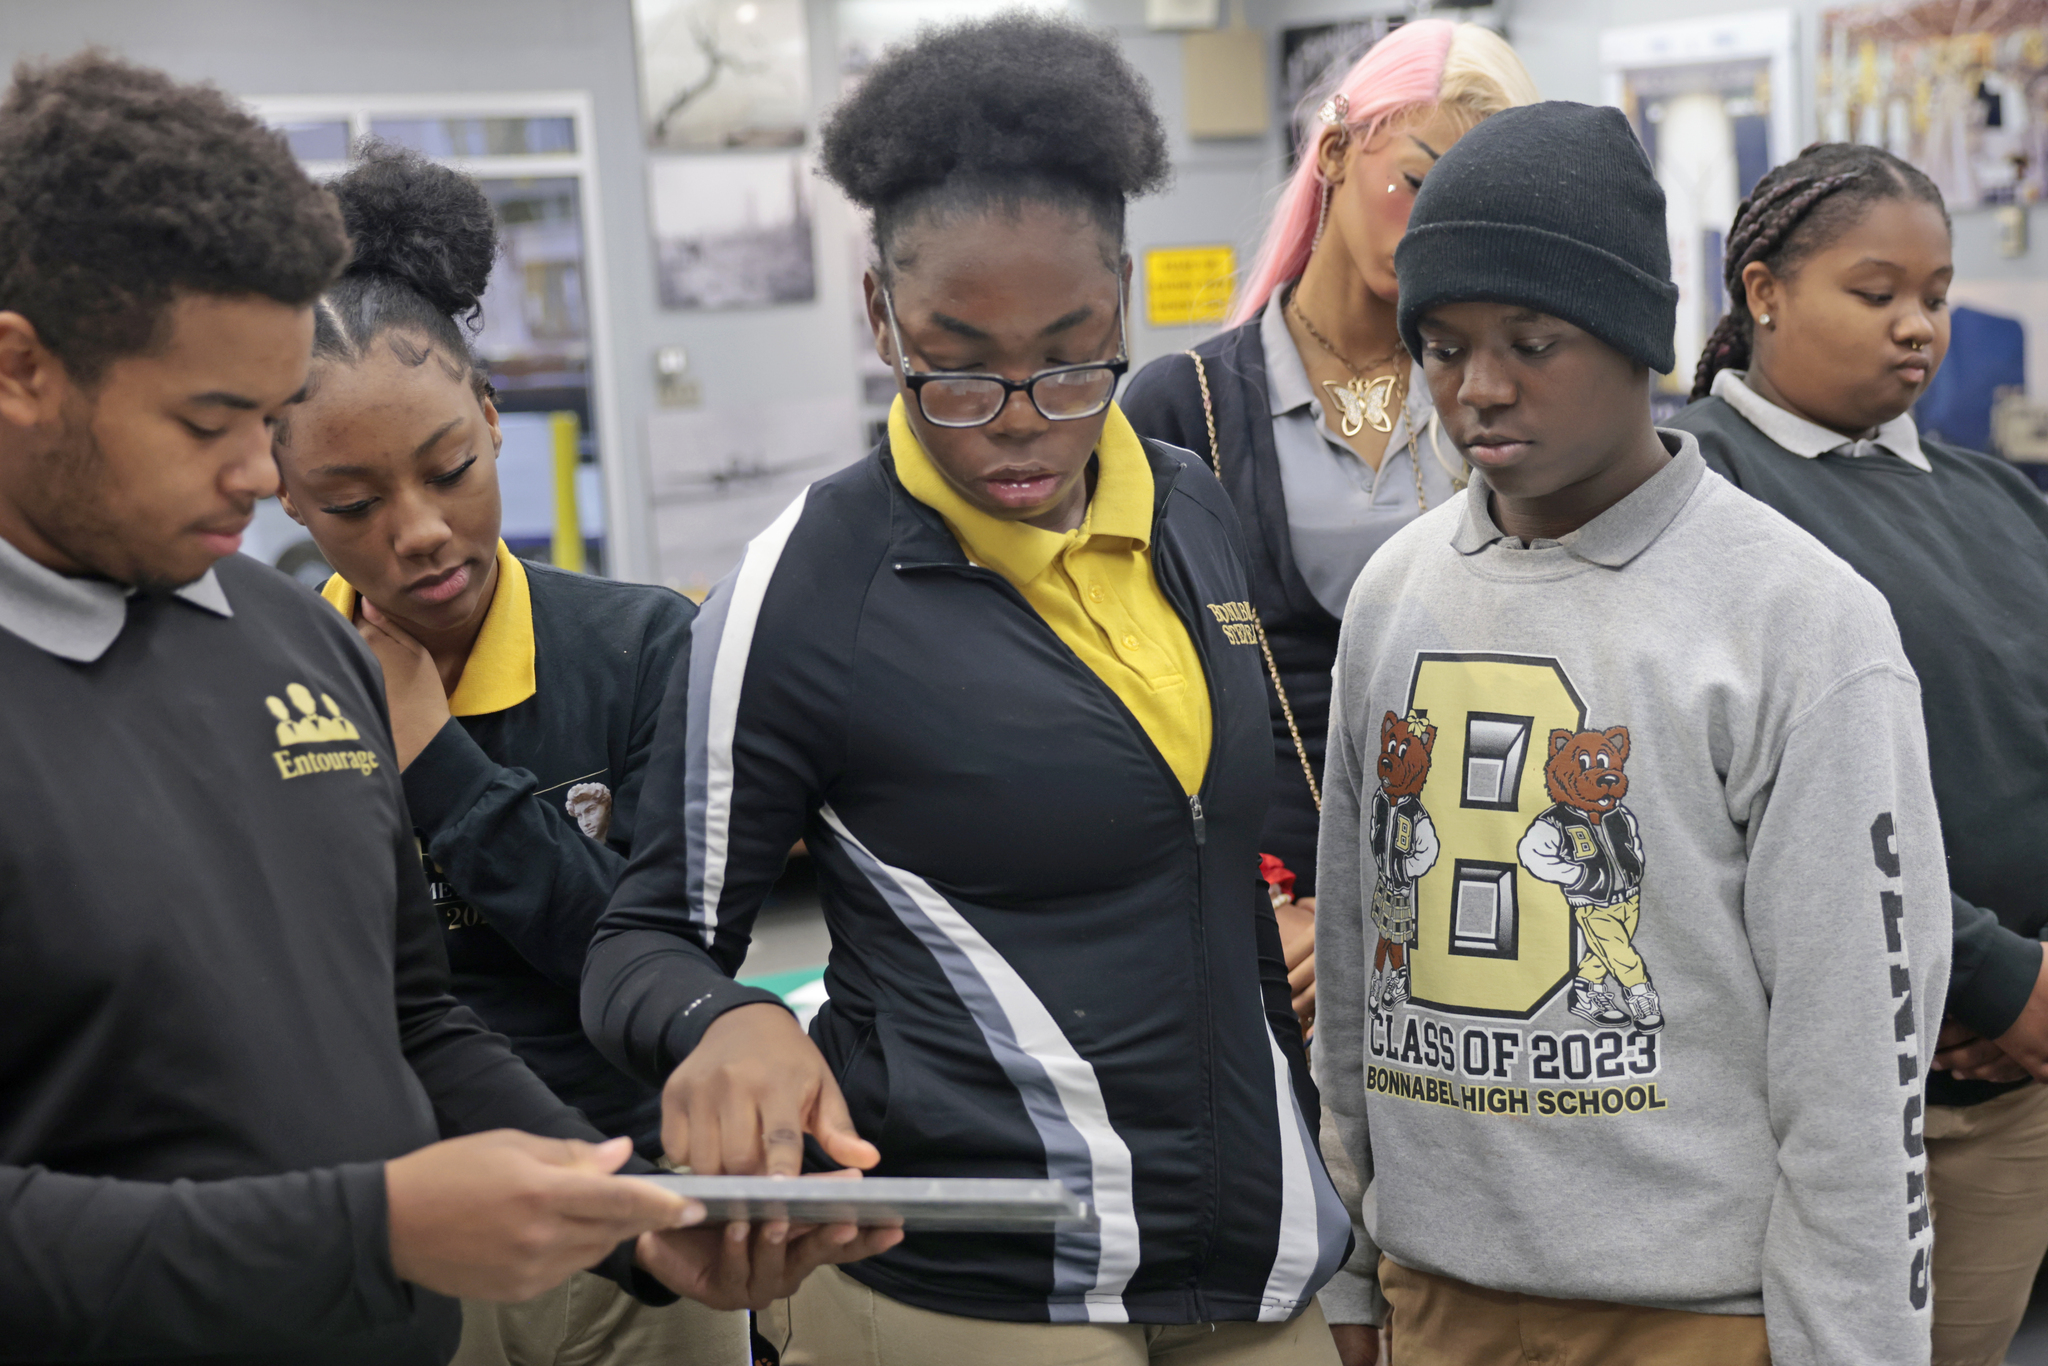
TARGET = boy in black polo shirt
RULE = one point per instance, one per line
(230, 1047)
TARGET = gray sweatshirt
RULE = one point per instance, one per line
(1644, 1014)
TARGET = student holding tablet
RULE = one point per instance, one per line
(998, 676)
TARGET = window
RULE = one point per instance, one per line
(317, 140)
(480, 137)
(545, 309)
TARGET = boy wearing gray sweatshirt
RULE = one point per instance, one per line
(1632, 924)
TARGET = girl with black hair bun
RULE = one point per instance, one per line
(999, 676)
(522, 698)
(1838, 267)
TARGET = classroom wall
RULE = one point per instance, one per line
(740, 359)
(749, 359)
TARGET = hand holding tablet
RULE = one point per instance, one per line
(955, 1204)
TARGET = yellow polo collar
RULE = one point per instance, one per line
(499, 675)
(1121, 505)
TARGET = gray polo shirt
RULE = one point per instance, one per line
(1339, 510)
(76, 618)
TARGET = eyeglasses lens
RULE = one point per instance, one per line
(1074, 393)
(1062, 397)
(960, 402)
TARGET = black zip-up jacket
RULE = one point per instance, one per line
(521, 884)
(1048, 960)
(1164, 402)
(227, 999)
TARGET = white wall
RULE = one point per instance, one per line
(742, 359)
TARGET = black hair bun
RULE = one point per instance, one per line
(420, 222)
(1018, 96)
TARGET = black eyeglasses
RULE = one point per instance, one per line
(1065, 393)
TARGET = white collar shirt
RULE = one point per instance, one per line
(1899, 437)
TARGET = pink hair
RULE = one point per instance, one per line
(1402, 74)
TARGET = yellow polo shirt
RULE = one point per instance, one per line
(499, 674)
(1093, 586)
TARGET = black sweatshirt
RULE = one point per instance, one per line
(520, 885)
(1047, 958)
(227, 998)
(1164, 402)
(1961, 553)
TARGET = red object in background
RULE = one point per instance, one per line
(1278, 876)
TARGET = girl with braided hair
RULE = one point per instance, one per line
(1837, 270)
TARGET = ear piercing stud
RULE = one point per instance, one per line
(1765, 319)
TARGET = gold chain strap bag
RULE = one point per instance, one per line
(1258, 628)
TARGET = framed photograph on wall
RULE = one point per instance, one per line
(732, 230)
(723, 73)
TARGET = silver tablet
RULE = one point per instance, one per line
(953, 1204)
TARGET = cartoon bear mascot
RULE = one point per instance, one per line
(1588, 843)
(1404, 847)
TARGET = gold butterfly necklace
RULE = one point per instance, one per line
(1366, 402)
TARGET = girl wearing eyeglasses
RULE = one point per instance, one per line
(1310, 408)
(999, 677)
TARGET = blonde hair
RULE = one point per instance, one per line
(1420, 69)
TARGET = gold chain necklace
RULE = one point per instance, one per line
(1369, 403)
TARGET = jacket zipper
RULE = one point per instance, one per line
(1198, 820)
(1213, 1215)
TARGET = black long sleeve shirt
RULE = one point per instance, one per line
(1960, 550)
(227, 997)
(518, 883)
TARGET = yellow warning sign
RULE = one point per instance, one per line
(1185, 285)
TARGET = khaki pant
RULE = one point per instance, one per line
(1436, 1321)
(589, 1321)
(1987, 1186)
(834, 1320)
(1610, 932)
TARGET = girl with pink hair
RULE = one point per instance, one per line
(1309, 407)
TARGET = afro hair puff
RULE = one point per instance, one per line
(1020, 98)
(419, 222)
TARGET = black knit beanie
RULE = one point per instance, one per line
(1551, 206)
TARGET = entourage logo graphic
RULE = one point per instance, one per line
(309, 737)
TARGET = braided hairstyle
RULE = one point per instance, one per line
(424, 239)
(1794, 211)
